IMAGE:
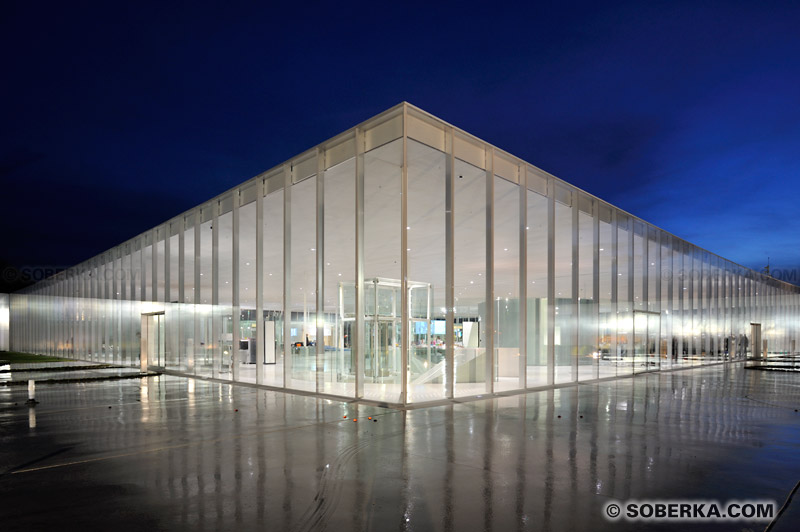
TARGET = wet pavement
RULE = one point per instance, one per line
(41, 376)
(174, 453)
(783, 362)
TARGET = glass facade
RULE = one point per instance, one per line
(405, 261)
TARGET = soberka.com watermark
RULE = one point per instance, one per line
(690, 510)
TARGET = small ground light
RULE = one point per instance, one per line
(370, 417)
(344, 417)
(354, 420)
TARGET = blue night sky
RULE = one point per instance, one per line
(117, 117)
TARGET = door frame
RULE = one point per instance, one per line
(144, 357)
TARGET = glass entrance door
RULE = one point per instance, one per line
(381, 354)
(156, 340)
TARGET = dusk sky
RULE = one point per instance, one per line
(119, 116)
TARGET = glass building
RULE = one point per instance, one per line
(406, 261)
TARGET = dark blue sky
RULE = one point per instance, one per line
(117, 117)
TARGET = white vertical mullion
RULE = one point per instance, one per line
(198, 217)
(575, 284)
(631, 279)
(551, 281)
(449, 262)
(596, 283)
(180, 307)
(358, 344)
(287, 275)
(489, 372)
(658, 305)
(320, 267)
(216, 322)
(142, 268)
(260, 282)
(154, 266)
(522, 173)
(235, 304)
(404, 312)
(167, 262)
(614, 348)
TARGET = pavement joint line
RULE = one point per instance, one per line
(179, 446)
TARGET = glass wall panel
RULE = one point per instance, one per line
(669, 351)
(695, 308)
(273, 284)
(640, 317)
(174, 322)
(382, 270)
(302, 302)
(676, 323)
(102, 314)
(537, 289)
(639, 269)
(588, 349)
(223, 311)
(118, 339)
(125, 305)
(506, 285)
(246, 350)
(647, 326)
(147, 268)
(653, 259)
(625, 286)
(565, 348)
(656, 344)
(158, 291)
(380, 242)
(204, 352)
(188, 303)
(426, 272)
(469, 263)
(607, 327)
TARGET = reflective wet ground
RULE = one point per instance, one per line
(41, 375)
(173, 453)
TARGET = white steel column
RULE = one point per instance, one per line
(489, 371)
(614, 348)
(198, 218)
(154, 265)
(551, 281)
(287, 275)
(522, 173)
(357, 345)
(670, 301)
(142, 268)
(658, 304)
(235, 310)
(404, 311)
(596, 283)
(449, 262)
(575, 340)
(167, 234)
(631, 278)
(216, 332)
(320, 256)
(260, 282)
(181, 306)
